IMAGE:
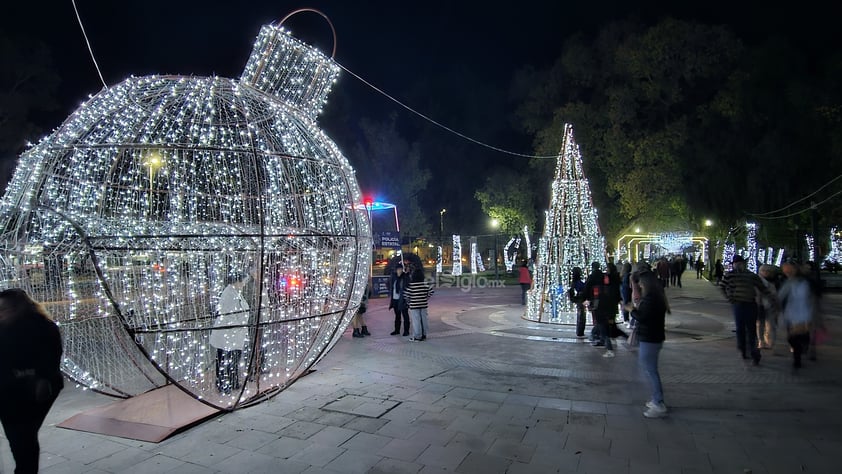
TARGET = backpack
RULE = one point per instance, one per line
(602, 292)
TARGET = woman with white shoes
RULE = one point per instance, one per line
(650, 317)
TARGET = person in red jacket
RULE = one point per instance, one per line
(525, 280)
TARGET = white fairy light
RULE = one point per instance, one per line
(457, 256)
(834, 255)
(751, 246)
(811, 247)
(571, 239)
(128, 219)
(510, 252)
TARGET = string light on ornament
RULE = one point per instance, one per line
(571, 239)
(158, 191)
(439, 255)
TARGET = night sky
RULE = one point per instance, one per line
(400, 46)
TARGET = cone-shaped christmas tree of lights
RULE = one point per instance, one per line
(571, 239)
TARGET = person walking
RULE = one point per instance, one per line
(718, 271)
(741, 288)
(626, 291)
(418, 295)
(700, 268)
(230, 334)
(650, 318)
(602, 291)
(358, 321)
(799, 304)
(768, 308)
(30, 374)
(525, 280)
(576, 293)
(397, 286)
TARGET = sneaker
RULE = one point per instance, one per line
(424, 337)
(413, 339)
(582, 336)
(658, 410)
(651, 404)
(394, 333)
(608, 354)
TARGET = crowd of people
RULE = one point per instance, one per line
(763, 301)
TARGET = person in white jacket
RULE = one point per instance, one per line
(230, 334)
(798, 304)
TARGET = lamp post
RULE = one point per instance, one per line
(710, 249)
(495, 224)
(441, 226)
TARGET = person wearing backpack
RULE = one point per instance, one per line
(602, 291)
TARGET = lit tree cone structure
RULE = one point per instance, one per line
(571, 238)
(130, 220)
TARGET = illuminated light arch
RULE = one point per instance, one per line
(127, 221)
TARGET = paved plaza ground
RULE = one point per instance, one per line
(490, 392)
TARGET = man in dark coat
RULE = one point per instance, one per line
(30, 376)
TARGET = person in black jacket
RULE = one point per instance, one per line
(602, 291)
(30, 375)
(650, 316)
(397, 284)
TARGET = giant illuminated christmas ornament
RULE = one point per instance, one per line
(196, 231)
(571, 238)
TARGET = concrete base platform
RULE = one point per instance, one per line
(153, 416)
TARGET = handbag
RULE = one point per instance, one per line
(633, 340)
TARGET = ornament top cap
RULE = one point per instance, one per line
(296, 73)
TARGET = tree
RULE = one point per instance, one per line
(633, 94)
(392, 170)
(28, 84)
(504, 198)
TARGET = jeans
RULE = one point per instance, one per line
(647, 355)
(419, 322)
(745, 319)
(524, 287)
(580, 319)
(605, 334)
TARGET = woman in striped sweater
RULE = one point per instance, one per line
(417, 294)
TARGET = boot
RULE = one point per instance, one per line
(357, 333)
(397, 330)
(365, 331)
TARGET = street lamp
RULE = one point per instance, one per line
(441, 226)
(710, 249)
(495, 224)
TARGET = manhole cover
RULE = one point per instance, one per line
(361, 406)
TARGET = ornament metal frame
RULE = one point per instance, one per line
(131, 218)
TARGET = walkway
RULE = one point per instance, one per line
(489, 392)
